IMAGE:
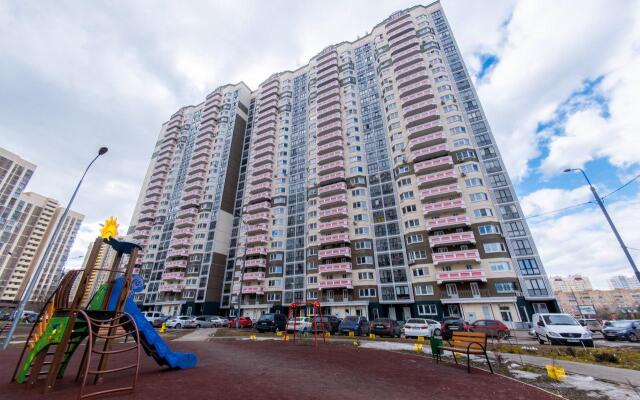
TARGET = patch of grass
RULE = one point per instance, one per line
(627, 358)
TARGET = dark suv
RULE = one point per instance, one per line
(271, 323)
(331, 323)
(452, 324)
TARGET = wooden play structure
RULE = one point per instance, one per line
(113, 326)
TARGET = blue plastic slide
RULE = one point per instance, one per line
(152, 343)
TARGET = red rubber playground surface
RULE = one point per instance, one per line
(234, 369)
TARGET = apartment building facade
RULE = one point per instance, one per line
(373, 185)
(608, 304)
(570, 283)
(183, 217)
(623, 282)
(34, 218)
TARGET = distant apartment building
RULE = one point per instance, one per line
(367, 180)
(34, 218)
(15, 173)
(102, 264)
(569, 283)
(608, 304)
(623, 282)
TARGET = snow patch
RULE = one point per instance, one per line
(597, 389)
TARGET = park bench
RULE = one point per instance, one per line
(467, 343)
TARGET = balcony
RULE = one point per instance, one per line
(416, 75)
(178, 253)
(268, 159)
(172, 276)
(256, 263)
(419, 63)
(333, 212)
(427, 141)
(257, 251)
(258, 239)
(331, 167)
(260, 188)
(418, 106)
(259, 197)
(179, 233)
(252, 290)
(331, 178)
(461, 276)
(336, 134)
(333, 156)
(447, 222)
(199, 177)
(397, 39)
(261, 170)
(176, 264)
(453, 238)
(429, 152)
(330, 147)
(259, 228)
(331, 268)
(259, 146)
(192, 194)
(336, 283)
(143, 226)
(256, 180)
(334, 225)
(456, 256)
(337, 238)
(264, 206)
(260, 217)
(171, 288)
(415, 96)
(432, 165)
(186, 222)
(153, 192)
(178, 243)
(253, 276)
(189, 212)
(339, 187)
(333, 200)
(440, 191)
(444, 206)
(424, 129)
(438, 178)
(199, 168)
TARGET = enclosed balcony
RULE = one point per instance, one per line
(263, 206)
(333, 213)
(452, 238)
(334, 239)
(444, 206)
(331, 178)
(330, 147)
(427, 141)
(332, 268)
(180, 233)
(178, 253)
(456, 256)
(333, 201)
(341, 225)
(253, 276)
(447, 222)
(257, 251)
(434, 193)
(437, 178)
(435, 164)
(176, 264)
(330, 157)
(180, 243)
(258, 239)
(172, 276)
(340, 187)
(185, 222)
(252, 290)
(259, 217)
(415, 96)
(255, 263)
(330, 136)
(336, 283)
(331, 167)
(461, 276)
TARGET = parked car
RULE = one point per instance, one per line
(271, 323)
(385, 327)
(452, 324)
(491, 327)
(202, 321)
(353, 323)
(219, 321)
(561, 329)
(300, 324)
(5, 316)
(157, 323)
(592, 324)
(245, 322)
(177, 322)
(415, 327)
(331, 322)
(623, 329)
(150, 316)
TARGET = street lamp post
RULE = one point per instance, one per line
(608, 218)
(36, 274)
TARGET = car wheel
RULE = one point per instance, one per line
(539, 339)
(178, 326)
(198, 326)
(632, 337)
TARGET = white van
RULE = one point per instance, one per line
(560, 329)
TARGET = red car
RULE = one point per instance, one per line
(491, 327)
(245, 322)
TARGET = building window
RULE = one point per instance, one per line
(367, 292)
(494, 248)
(505, 313)
(424, 290)
(427, 309)
(529, 266)
(505, 287)
(482, 212)
(501, 266)
(488, 230)
(365, 275)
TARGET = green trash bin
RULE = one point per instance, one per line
(436, 348)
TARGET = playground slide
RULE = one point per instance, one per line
(151, 341)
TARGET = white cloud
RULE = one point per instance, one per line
(547, 200)
(582, 242)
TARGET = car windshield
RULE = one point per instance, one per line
(382, 320)
(351, 319)
(620, 324)
(267, 317)
(559, 320)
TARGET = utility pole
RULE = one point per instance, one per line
(608, 218)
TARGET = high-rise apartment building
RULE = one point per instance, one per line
(184, 213)
(102, 263)
(570, 283)
(369, 181)
(34, 218)
(15, 173)
(624, 282)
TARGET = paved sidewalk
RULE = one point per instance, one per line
(618, 375)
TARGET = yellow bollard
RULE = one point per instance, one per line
(355, 343)
(253, 337)
(555, 372)
(352, 333)
(163, 328)
(279, 333)
(418, 347)
(285, 338)
(420, 339)
(372, 336)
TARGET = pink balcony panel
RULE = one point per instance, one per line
(171, 288)
(433, 164)
(253, 276)
(437, 177)
(334, 155)
(447, 205)
(173, 276)
(453, 238)
(191, 194)
(260, 188)
(195, 177)
(331, 167)
(332, 189)
(420, 94)
(332, 146)
(181, 223)
(324, 179)
(411, 67)
(428, 140)
(423, 128)
(335, 135)
(257, 228)
(256, 180)
(176, 264)
(329, 226)
(178, 253)
(182, 232)
(419, 74)
(154, 192)
(447, 222)
(252, 289)
(256, 263)
(259, 196)
(401, 37)
(460, 276)
(341, 198)
(257, 239)
(337, 238)
(177, 243)
(264, 216)
(422, 115)
(143, 226)
(440, 191)
(265, 205)
(337, 267)
(326, 130)
(336, 283)
(419, 105)
(256, 251)
(333, 212)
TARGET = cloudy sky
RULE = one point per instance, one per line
(559, 83)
